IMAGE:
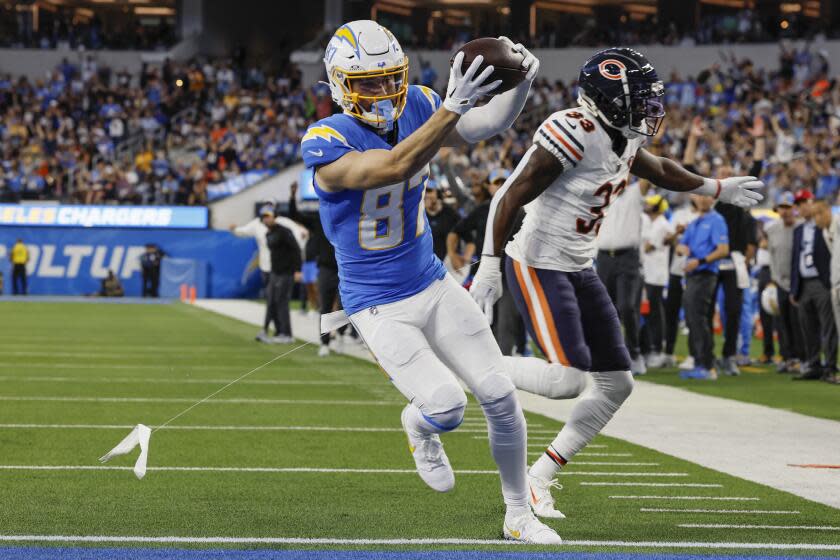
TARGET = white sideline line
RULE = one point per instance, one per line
(391, 542)
(654, 484)
(769, 527)
(294, 470)
(720, 498)
(211, 401)
(154, 380)
(220, 428)
(738, 511)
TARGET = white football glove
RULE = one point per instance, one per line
(531, 62)
(486, 288)
(464, 90)
(739, 191)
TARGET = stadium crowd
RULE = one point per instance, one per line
(89, 134)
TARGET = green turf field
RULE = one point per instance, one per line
(759, 384)
(76, 377)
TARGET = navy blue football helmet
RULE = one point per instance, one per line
(620, 85)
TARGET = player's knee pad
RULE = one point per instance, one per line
(446, 409)
(563, 382)
(615, 385)
(504, 415)
(493, 387)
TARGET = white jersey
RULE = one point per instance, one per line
(562, 223)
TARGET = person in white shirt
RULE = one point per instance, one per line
(257, 228)
(656, 229)
(680, 219)
(619, 266)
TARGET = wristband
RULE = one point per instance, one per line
(710, 187)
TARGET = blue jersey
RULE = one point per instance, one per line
(382, 239)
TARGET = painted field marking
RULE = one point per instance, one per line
(417, 541)
(609, 463)
(164, 400)
(586, 454)
(477, 423)
(187, 381)
(295, 470)
(590, 446)
(727, 511)
(768, 527)
(815, 466)
(221, 428)
(654, 484)
(719, 498)
(543, 446)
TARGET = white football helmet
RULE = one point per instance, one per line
(367, 72)
(770, 300)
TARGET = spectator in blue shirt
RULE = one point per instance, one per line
(705, 242)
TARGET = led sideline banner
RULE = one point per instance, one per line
(73, 261)
(97, 216)
(237, 184)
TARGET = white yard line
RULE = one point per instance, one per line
(659, 417)
(588, 454)
(168, 380)
(212, 401)
(763, 527)
(716, 498)
(654, 484)
(300, 470)
(608, 463)
(403, 541)
(726, 511)
(222, 428)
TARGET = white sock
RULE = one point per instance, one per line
(588, 418)
(513, 512)
(546, 467)
(540, 377)
(509, 444)
(416, 424)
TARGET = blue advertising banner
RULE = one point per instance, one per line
(90, 216)
(73, 261)
(237, 183)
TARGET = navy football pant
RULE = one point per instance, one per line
(570, 315)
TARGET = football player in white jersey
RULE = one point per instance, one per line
(578, 164)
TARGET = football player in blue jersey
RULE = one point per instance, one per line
(371, 164)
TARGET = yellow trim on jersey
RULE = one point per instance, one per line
(427, 91)
(325, 132)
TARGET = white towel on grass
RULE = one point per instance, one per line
(140, 435)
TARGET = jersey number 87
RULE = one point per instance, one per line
(381, 223)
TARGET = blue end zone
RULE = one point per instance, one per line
(38, 553)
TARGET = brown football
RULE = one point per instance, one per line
(507, 63)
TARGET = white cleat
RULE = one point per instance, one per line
(323, 351)
(530, 530)
(431, 460)
(637, 365)
(541, 500)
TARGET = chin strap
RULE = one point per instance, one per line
(384, 110)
